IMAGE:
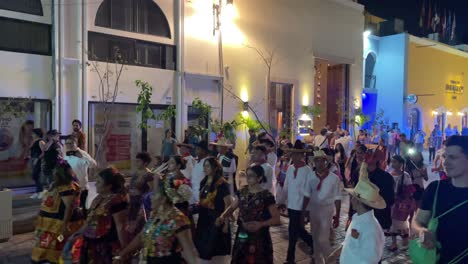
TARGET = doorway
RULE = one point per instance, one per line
(280, 107)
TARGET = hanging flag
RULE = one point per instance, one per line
(454, 25)
(421, 18)
(444, 24)
(429, 16)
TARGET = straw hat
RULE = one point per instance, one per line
(222, 141)
(367, 192)
(298, 148)
(321, 154)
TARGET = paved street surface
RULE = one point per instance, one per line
(18, 249)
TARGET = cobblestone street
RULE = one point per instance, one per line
(18, 249)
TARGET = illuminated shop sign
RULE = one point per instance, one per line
(454, 87)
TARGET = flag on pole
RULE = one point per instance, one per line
(429, 16)
(444, 24)
(454, 25)
(421, 18)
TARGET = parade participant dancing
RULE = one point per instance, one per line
(257, 212)
(141, 183)
(322, 198)
(166, 237)
(57, 218)
(296, 178)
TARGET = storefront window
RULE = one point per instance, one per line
(115, 137)
(17, 118)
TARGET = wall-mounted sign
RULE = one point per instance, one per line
(454, 87)
(412, 98)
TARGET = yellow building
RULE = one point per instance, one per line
(436, 75)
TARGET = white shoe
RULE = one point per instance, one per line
(34, 196)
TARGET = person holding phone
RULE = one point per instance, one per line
(80, 161)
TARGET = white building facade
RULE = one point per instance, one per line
(172, 45)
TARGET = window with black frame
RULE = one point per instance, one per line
(25, 36)
(139, 16)
(104, 47)
(33, 7)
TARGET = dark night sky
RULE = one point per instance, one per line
(410, 10)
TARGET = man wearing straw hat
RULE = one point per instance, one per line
(322, 198)
(296, 178)
(364, 241)
(227, 160)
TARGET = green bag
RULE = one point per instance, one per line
(421, 255)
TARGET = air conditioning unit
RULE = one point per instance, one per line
(6, 215)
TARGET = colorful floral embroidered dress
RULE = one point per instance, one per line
(50, 225)
(159, 238)
(253, 247)
(101, 240)
(209, 239)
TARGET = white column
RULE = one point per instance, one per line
(181, 113)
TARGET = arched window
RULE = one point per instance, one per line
(369, 71)
(139, 16)
(33, 7)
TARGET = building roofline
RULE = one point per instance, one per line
(348, 3)
(438, 45)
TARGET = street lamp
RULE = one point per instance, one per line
(217, 10)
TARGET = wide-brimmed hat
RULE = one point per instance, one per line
(223, 142)
(184, 145)
(203, 144)
(321, 154)
(367, 192)
(297, 148)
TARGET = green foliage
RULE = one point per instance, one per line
(204, 108)
(359, 118)
(251, 123)
(311, 110)
(200, 130)
(167, 114)
(144, 102)
(227, 129)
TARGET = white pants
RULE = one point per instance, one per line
(321, 217)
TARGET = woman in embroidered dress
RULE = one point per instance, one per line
(174, 176)
(57, 218)
(166, 237)
(104, 231)
(213, 242)
(257, 212)
(140, 185)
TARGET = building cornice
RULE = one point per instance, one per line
(348, 3)
(438, 45)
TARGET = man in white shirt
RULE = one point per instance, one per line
(271, 157)
(296, 178)
(201, 150)
(227, 160)
(364, 241)
(258, 158)
(185, 151)
(321, 141)
(322, 198)
(345, 141)
(80, 161)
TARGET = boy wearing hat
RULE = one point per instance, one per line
(296, 178)
(227, 160)
(322, 197)
(364, 241)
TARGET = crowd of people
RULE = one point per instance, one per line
(179, 207)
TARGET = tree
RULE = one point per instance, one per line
(109, 77)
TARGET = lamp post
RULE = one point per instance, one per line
(217, 10)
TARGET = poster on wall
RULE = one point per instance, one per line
(117, 137)
(15, 139)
